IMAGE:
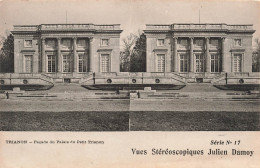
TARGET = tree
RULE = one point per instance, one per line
(7, 54)
(133, 56)
(138, 59)
(256, 57)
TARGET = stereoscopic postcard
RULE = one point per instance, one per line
(129, 83)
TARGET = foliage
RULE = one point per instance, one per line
(133, 56)
(256, 57)
(7, 54)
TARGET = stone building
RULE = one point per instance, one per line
(66, 51)
(199, 51)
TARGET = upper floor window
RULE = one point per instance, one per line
(50, 44)
(183, 42)
(160, 42)
(214, 42)
(199, 43)
(66, 43)
(27, 43)
(82, 43)
(104, 42)
(237, 42)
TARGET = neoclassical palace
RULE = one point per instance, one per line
(199, 50)
(89, 54)
(66, 50)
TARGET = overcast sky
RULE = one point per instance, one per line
(131, 14)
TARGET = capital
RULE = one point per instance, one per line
(58, 38)
(223, 39)
(90, 39)
(191, 39)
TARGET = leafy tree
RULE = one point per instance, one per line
(7, 54)
(256, 57)
(133, 56)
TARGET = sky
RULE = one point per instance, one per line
(131, 14)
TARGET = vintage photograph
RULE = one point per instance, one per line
(129, 83)
(143, 68)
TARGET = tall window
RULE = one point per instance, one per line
(160, 62)
(28, 63)
(237, 62)
(214, 62)
(105, 63)
(51, 63)
(200, 63)
(67, 63)
(82, 63)
(184, 63)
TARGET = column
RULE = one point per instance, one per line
(75, 53)
(207, 55)
(43, 56)
(176, 67)
(223, 55)
(90, 54)
(191, 55)
(59, 59)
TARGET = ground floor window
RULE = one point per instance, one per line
(184, 64)
(67, 63)
(200, 62)
(105, 63)
(214, 62)
(82, 63)
(237, 62)
(28, 64)
(51, 63)
(160, 62)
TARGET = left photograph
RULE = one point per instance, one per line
(66, 78)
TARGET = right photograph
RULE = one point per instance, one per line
(198, 77)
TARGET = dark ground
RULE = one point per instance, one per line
(139, 121)
(64, 121)
(194, 121)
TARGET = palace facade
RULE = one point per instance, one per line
(68, 50)
(199, 50)
(89, 54)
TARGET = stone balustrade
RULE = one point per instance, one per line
(220, 26)
(67, 27)
(25, 27)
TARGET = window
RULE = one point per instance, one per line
(51, 63)
(104, 42)
(105, 63)
(50, 44)
(66, 43)
(200, 63)
(214, 62)
(82, 43)
(160, 62)
(28, 63)
(199, 43)
(184, 63)
(183, 43)
(237, 62)
(67, 63)
(214, 42)
(27, 43)
(82, 63)
(237, 42)
(160, 42)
